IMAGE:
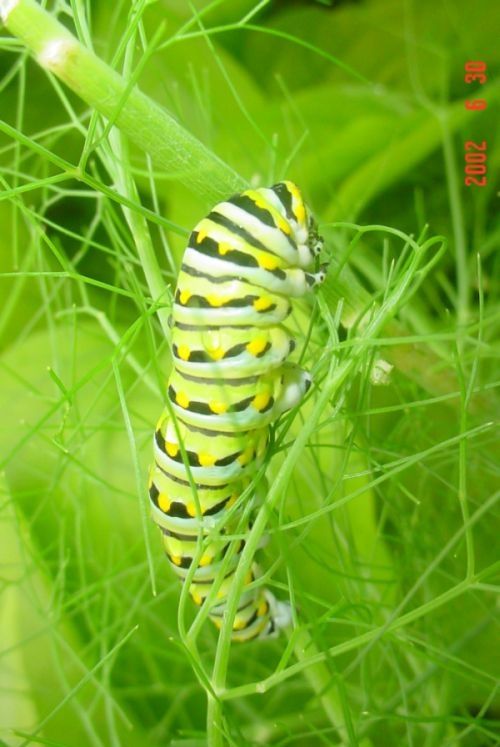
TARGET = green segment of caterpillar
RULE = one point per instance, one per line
(230, 380)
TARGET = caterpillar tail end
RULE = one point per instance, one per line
(280, 616)
(268, 617)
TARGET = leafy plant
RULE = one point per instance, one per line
(381, 505)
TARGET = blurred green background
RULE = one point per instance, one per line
(361, 104)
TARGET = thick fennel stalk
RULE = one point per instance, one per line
(146, 124)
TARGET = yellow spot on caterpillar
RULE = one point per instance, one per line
(184, 297)
(268, 262)
(164, 502)
(182, 399)
(262, 303)
(205, 560)
(176, 559)
(280, 222)
(246, 456)
(215, 353)
(215, 300)
(184, 352)
(300, 212)
(284, 226)
(206, 460)
(224, 248)
(239, 624)
(257, 346)
(232, 500)
(172, 449)
(218, 407)
(248, 578)
(202, 234)
(260, 401)
(260, 203)
(262, 608)
(191, 508)
(197, 598)
(294, 190)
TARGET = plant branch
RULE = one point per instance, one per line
(147, 125)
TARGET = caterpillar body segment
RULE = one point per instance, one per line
(224, 352)
(231, 379)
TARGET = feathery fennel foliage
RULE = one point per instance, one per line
(381, 505)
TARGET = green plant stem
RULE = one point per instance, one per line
(140, 232)
(214, 722)
(147, 125)
(367, 638)
(181, 155)
(321, 681)
(337, 375)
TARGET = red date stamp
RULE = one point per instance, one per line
(475, 154)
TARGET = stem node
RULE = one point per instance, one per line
(55, 54)
(6, 6)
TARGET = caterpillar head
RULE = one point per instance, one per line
(314, 240)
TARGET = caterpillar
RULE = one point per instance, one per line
(230, 380)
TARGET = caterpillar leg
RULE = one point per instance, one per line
(295, 384)
(259, 615)
(281, 614)
(317, 278)
(269, 617)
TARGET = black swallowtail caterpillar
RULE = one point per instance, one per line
(230, 380)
